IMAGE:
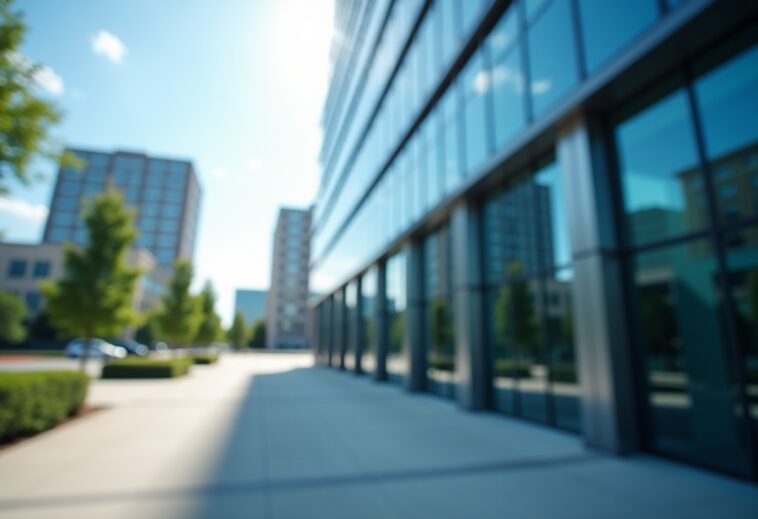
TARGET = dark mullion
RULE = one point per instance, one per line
(733, 346)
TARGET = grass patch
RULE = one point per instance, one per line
(33, 402)
(205, 359)
(147, 368)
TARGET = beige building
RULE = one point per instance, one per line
(23, 266)
(287, 311)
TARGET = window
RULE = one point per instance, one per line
(17, 268)
(725, 95)
(657, 157)
(41, 269)
(33, 301)
(477, 84)
(552, 54)
(397, 362)
(438, 312)
(58, 234)
(507, 80)
(608, 26)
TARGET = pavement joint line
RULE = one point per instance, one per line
(304, 483)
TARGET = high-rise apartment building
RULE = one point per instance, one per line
(287, 312)
(549, 208)
(164, 192)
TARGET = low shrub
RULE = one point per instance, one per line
(205, 359)
(33, 402)
(147, 368)
(510, 369)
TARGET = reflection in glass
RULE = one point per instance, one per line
(438, 306)
(725, 96)
(552, 55)
(691, 390)
(351, 325)
(477, 85)
(397, 358)
(368, 321)
(508, 96)
(660, 176)
(529, 324)
(337, 354)
(742, 261)
(609, 26)
(564, 378)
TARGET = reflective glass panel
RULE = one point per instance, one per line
(438, 304)
(691, 392)
(552, 56)
(609, 25)
(397, 357)
(660, 176)
(368, 321)
(725, 97)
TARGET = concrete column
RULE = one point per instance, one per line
(605, 365)
(414, 319)
(470, 351)
(380, 316)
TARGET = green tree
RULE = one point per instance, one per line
(258, 335)
(94, 297)
(12, 315)
(181, 313)
(237, 333)
(25, 117)
(41, 329)
(210, 326)
(147, 332)
(515, 319)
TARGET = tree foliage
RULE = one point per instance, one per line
(210, 325)
(515, 318)
(12, 315)
(94, 297)
(181, 313)
(25, 117)
(147, 332)
(237, 333)
(258, 335)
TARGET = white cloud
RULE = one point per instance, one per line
(253, 165)
(108, 45)
(23, 209)
(47, 79)
(219, 173)
(541, 86)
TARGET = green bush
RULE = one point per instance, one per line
(35, 401)
(205, 359)
(511, 369)
(563, 373)
(147, 368)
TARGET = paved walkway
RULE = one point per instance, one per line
(267, 436)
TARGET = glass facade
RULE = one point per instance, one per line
(397, 364)
(599, 196)
(687, 163)
(529, 306)
(438, 313)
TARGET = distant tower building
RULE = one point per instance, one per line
(164, 192)
(251, 304)
(288, 295)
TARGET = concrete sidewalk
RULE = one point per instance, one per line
(266, 435)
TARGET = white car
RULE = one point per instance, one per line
(99, 349)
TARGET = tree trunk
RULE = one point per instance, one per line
(85, 354)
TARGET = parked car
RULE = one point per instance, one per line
(99, 349)
(133, 347)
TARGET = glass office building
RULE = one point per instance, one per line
(549, 208)
(165, 194)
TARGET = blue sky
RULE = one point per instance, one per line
(236, 86)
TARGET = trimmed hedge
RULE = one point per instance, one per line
(147, 368)
(32, 402)
(205, 359)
